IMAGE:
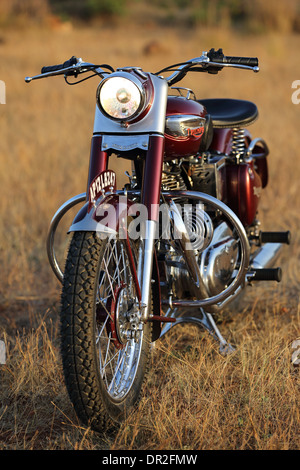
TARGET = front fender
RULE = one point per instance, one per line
(104, 222)
(87, 219)
(106, 217)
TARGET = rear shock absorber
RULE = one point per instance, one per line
(238, 142)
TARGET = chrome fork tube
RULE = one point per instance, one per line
(145, 265)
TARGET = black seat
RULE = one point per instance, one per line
(230, 113)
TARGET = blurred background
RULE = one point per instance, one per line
(46, 129)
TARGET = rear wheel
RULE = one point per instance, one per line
(105, 347)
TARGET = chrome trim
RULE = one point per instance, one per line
(155, 122)
(80, 67)
(201, 319)
(265, 256)
(124, 143)
(252, 145)
(189, 92)
(130, 77)
(184, 125)
(245, 249)
(205, 62)
(217, 307)
(236, 66)
(189, 255)
(145, 265)
(52, 229)
(223, 246)
(88, 224)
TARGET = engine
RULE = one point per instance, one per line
(217, 253)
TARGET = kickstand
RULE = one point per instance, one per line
(209, 324)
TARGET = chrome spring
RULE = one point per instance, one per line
(238, 141)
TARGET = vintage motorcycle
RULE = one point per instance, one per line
(176, 244)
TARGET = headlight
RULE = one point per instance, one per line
(120, 98)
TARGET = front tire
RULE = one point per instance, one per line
(105, 347)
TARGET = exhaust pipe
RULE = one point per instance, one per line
(265, 256)
(262, 261)
(260, 269)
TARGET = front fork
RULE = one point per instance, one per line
(150, 197)
(151, 190)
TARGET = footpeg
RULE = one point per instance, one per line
(270, 274)
(275, 237)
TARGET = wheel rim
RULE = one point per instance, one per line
(119, 332)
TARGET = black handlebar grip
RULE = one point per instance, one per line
(54, 68)
(251, 61)
(219, 58)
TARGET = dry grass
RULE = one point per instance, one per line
(195, 398)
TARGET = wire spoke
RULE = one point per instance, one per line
(117, 365)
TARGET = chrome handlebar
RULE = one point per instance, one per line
(75, 69)
(203, 61)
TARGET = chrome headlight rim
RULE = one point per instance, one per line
(140, 88)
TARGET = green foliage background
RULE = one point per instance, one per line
(250, 15)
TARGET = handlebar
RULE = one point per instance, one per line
(251, 61)
(211, 62)
(54, 68)
(73, 66)
(219, 58)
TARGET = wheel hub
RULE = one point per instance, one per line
(124, 319)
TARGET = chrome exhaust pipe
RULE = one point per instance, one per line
(265, 256)
(262, 262)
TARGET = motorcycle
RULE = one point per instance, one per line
(179, 242)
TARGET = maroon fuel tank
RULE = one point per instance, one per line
(188, 128)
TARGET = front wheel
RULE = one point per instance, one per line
(105, 347)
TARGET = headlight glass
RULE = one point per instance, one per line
(120, 98)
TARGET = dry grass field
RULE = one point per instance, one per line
(194, 398)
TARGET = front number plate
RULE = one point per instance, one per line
(105, 181)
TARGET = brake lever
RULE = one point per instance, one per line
(237, 66)
(75, 69)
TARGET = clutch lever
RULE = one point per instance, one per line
(75, 69)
